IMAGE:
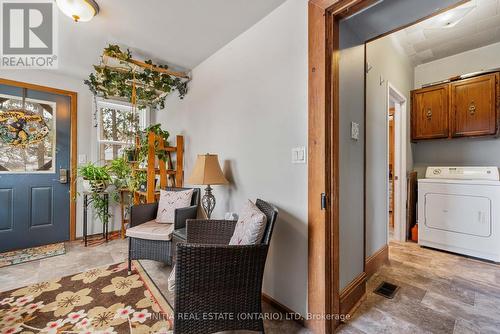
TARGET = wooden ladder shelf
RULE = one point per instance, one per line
(170, 175)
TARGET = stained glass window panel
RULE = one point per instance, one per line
(27, 135)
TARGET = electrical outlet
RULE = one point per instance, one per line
(354, 131)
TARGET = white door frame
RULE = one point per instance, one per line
(400, 175)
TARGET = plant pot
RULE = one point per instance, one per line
(131, 155)
(95, 186)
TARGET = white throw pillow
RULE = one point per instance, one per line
(250, 226)
(171, 200)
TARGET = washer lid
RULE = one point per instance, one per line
(463, 173)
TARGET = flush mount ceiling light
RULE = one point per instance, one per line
(451, 18)
(79, 10)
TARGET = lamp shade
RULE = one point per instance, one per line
(79, 10)
(207, 171)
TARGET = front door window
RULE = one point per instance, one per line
(27, 135)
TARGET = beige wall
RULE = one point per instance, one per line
(248, 103)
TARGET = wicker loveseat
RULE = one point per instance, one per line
(218, 287)
(160, 248)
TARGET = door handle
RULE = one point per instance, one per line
(472, 108)
(428, 114)
(63, 176)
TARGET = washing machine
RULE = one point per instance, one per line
(459, 211)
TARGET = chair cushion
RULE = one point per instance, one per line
(171, 200)
(151, 230)
(250, 227)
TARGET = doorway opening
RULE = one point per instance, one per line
(328, 292)
(396, 166)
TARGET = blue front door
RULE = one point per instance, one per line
(34, 154)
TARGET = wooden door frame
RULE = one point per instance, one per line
(323, 157)
(323, 160)
(73, 141)
(401, 115)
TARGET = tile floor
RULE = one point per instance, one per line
(439, 292)
(79, 258)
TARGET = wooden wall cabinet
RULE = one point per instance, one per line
(474, 106)
(463, 108)
(430, 113)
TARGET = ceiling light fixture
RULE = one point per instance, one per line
(79, 10)
(453, 17)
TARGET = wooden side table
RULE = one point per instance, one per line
(86, 202)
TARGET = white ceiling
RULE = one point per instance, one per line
(429, 40)
(179, 32)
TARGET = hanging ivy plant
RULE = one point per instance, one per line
(114, 51)
(143, 137)
(151, 87)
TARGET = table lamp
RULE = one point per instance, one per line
(207, 172)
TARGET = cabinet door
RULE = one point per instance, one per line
(474, 110)
(430, 113)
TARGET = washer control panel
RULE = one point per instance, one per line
(463, 173)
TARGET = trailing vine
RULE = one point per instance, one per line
(157, 130)
(151, 87)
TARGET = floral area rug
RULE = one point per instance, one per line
(101, 301)
(30, 254)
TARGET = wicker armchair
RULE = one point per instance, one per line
(158, 250)
(216, 279)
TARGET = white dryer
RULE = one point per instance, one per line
(459, 211)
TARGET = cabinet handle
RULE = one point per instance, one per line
(472, 108)
(428, 114)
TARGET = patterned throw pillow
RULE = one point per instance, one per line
(250, 226)
(171, 200)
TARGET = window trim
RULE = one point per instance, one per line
(144, 120)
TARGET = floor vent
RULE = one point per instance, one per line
(386, 290)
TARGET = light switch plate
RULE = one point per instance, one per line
(354, 131)
(299, 155)
(82, 158)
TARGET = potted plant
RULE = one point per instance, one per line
(95, 178)
(130, 154)
(95, 181)
(120, 172)
(140, 181)
(157, 130)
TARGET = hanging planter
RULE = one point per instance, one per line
(144, 84)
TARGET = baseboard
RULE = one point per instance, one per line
(377, 260)
(352, 295)
(297, 317)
